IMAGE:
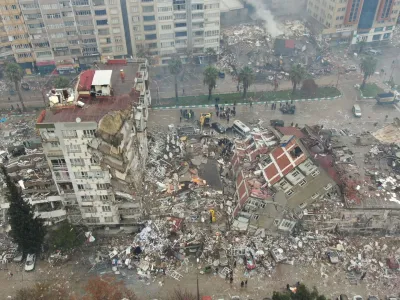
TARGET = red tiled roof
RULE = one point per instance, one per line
(282, 162)
(85, 80)
(289, 44)
(291, 131)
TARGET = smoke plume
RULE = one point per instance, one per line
(262, 13)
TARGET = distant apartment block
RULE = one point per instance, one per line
(356, 20)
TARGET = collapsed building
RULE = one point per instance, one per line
(96, 145)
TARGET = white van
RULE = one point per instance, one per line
(356, 110)
(240, 128)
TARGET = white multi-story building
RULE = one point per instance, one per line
(170, 27)
(97, 148)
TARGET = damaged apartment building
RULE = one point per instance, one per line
(96, 146)
(276, 177)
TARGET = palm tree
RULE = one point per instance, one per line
(368, 67)
(210, 52)
(210, 79)
(14, 73)
(246, 77)
(297, 74)
(175, 68)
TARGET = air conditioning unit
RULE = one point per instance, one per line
(80, 104)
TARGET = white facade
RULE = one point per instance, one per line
(167, 27)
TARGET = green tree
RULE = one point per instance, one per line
(175, 68)
(210, 52)
(309, 87)
(65, 237)
(26, 230)
(14, 73)
(61, 82)
(297, 74)
(368, 67)
(246, 77)
(210, 79)
(302, 293)
(361, 45)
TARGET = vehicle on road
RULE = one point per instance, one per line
(205, 119)
(387, 98)
(218, 127)
(30, 262)
(288, 109)
(277, 123)
(374, 52)
(358, 297)
(342, 297)
(19, 256)
(356, 110)
(373, 298)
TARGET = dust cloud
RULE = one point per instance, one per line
(262, 13)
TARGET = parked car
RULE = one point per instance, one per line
(333, 257)
(358, 297)
(275, 122)
(373, 298)
(342, 297)
(218, 127)
(19, 256)
(30, 262)
(356, 111)
(374, 52)
(351, 68)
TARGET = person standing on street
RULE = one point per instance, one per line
(227, 119)
(242, 284)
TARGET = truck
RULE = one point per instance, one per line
(205, 119)
(387, 98)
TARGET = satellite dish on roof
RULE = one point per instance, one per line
(78, 120)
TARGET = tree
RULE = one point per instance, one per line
(182, 295)
(302, 293)
(61, 82)
(65, 237)
(44, 291)
(368, 67)
(210, 52)
(175, 68)
(361, 45)
(14, 73)
(246, 77)
(26, 229)
(309, 87)
(107, 288)
(297, 74)
(210, 79)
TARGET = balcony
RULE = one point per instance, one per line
(49, 137)
(53, 153)
(25, 59)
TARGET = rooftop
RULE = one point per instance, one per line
(228, 5)
(95, 109)
(102, 77)
(85, 80)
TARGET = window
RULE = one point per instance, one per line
(69, 23)
(164, 9)
(134, 9)
(315, 173)
(53, 16)
(58, 35)
(303, 182)
(83, 13)
(114, 11)
(180, 25)
(165, 18)
(289, 192)
(255, 217)
(198, 16)
(147, 9)
(54, 144)
(149, 27)
(295, 174)
(80, 3)
(183, 33)
(148, 18)
(116, 30)
(136, 28)
(44, 54)
(30, 6)
(167, 44)
(315, 196)
(211, 6)
(73, 148)
(378, 29)
(69, 133)
(138, 37)
(328, 187)
(166, 27)
(148, 37)
(62, 175)
(73, 42)
(102, 186)
(100, 12)
(106, 208)
(180, 16)
(386, 35)
(211, 33)
(106, 50)
(92, 220)
(98, 174)
(112, 2)
(89, 210)
(104, 31)
(81, 175)
(114, 21)
(58, 163)
(166, 36)
(85, 22)
(77, 161)
(89, 133)
(83, 187)
(118, 39)
(89, 41)
(119, 48)
(197, 6)
(108, 219)
(389, 28)
(102, 22)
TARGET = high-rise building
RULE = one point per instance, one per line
(169, 27)
(14, 39)
(96, 146)
(356, 20)
(60, 34)
(63, 31)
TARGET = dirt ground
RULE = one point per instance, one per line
(75, 274)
